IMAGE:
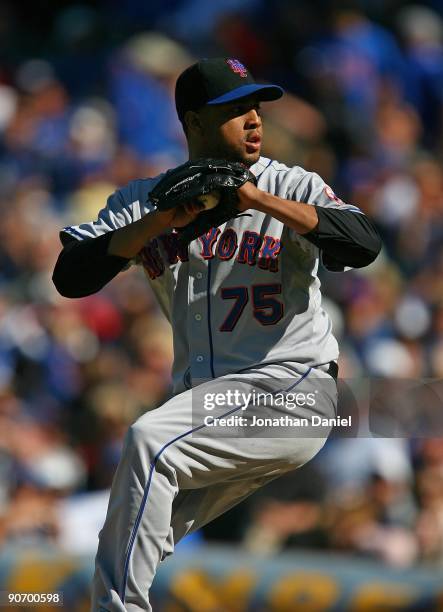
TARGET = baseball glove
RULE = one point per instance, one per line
(197, 178)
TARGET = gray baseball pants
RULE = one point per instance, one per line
(177, 473)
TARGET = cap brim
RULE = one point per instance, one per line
(267, 93)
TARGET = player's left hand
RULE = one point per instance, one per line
(202, 177)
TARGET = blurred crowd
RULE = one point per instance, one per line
(88, 106)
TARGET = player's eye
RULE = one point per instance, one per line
(242, 109)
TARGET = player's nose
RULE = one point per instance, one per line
(253, 119)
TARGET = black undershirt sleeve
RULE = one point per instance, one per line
(84, 267)
(345, 238)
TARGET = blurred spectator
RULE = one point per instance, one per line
(141, 86)
(421, 29)
(287, 513)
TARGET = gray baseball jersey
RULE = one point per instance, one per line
(246, 293)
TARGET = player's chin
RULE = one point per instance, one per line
(249, 156)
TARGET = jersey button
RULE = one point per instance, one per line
(198, 317)
(199, 275)
(199, 358)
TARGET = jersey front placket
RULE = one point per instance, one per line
(199, 315)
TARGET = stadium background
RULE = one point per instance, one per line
(86, 104)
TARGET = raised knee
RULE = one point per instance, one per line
(148, 437)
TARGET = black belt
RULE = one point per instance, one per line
(333, 369)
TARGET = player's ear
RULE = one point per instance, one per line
(193, 122)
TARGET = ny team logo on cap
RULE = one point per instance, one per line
(237, 67)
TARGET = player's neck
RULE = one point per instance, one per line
(195, 152)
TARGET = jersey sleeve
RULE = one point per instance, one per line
(312, 189)
(123, 207)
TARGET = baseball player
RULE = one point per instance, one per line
(244, 303)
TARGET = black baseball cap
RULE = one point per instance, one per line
(216, 81)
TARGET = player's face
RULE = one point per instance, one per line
(233, 130)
